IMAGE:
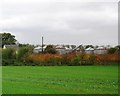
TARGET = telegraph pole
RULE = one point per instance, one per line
(42, 43)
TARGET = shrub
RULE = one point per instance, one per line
(103, 59)
(22, 54)
(111, 50)
(8, 56)
(46, 59)
(8, 53)
(50, 49)
(75, 61)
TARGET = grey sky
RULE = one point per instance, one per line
(63, 22)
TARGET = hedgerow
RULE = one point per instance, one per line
(25, 57)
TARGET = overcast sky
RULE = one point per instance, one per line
(61, 22)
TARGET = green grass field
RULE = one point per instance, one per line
(60, 80)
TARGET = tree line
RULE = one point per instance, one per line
(24, 55)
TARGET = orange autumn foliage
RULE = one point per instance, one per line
(45, 57)
(108, 57)
(61, 59)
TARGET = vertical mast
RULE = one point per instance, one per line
(42, 43)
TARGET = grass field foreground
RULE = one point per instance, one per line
(60, 79)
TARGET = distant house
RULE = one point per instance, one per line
(101, 50)
(12, 46)
(38, 49)
(89, 50)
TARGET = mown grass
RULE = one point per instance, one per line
(60, 80)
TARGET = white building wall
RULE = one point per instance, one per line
(100, 51)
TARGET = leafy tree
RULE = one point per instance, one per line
(117, 49)
(89, 46)
(111, 50)
(7, 38)
(25, 45)
(50, 49)
(73, 46)
(0, 40)
(68, 46)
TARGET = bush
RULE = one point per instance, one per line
(8, 53)
(111, 50)
(50, 49)
(103, 59)
(22, 54)
(6, 62)
(46, 59)
(75, 61)
(8, 56)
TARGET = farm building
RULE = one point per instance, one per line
(89, 50)
(63, 49)
(38, 49)
(12, 46)
(80, 48)
(60, 49)
(100, 50)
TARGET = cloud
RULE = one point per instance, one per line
(61, 22)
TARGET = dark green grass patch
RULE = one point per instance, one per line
(60, 80)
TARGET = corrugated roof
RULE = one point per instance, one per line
(11, 46)
(91, 49)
